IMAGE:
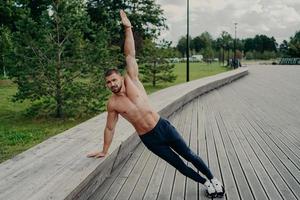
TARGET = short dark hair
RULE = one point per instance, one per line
(111, 71)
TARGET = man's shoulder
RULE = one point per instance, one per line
(126, 77)
(111, 103)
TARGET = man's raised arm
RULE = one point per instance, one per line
(129, 48)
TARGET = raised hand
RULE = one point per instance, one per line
(124, 19)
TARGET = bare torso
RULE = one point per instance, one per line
(134, 106)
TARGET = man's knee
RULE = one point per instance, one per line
(189, 155)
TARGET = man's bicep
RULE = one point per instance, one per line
(140, 86)
(135, 81)
(132, 67)
(112, 118)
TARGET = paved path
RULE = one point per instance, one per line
(248, 132)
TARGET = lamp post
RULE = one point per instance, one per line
(234, 47)
(187, 45)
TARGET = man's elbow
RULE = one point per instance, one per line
(130, 53)
(110, 130)
(130, 60)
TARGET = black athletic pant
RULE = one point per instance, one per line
(164, 139)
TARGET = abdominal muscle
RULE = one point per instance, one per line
(134, 107)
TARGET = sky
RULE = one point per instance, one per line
(278, 18)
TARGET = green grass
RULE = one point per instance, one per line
(197, 70)
(18, 132)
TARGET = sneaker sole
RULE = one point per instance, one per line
(221, 194)
(213, 195)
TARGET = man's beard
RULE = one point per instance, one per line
(117, 90)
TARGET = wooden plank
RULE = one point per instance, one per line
(279, 161)
(156, 180)
(248, 169)
(132, 178)
(118, 183)
(232, 98)
(260, 171)
(277, 136)
(213, 151)
(238, 174)
(280, 119)
(211, 148)
(122, 170)
(289, 160)
(282, 162)
(269, 114)
(144, 179)
(258, 168)
(100, 191)
(166, 187)
(221, 145)
(202, 142)
(180, 179)
(236, 183)
(192, 187)
(277, 181)
(157, 177)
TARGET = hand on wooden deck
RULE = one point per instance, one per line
(96, 154)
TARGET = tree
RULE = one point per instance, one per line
(226, 41)
(181, 45)
(294, 45)
(263, 43)
(197, 44)
(257, 46)
(10, 12)
(249, 46)
(37, 7)
(258, 43)
(5, 49)
(240, 44)
(156, 67)
(208, 53)
(283, 48)
(56, 65)
(146, 17)
(206, 40)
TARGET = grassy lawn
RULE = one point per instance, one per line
(18, 133)
(197, 70)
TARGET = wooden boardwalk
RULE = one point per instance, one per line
(248, 132)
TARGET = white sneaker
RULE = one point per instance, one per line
(210, 190)
(218, 187)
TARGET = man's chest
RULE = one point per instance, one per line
(125, 105)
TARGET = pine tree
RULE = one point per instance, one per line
(146, 16)
(6, 46)
(294, 45)
(58, 67)
(156, 67)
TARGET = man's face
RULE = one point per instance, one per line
(114, 82)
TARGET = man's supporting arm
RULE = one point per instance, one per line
(112, 118)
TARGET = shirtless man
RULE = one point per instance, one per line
(130, 100)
